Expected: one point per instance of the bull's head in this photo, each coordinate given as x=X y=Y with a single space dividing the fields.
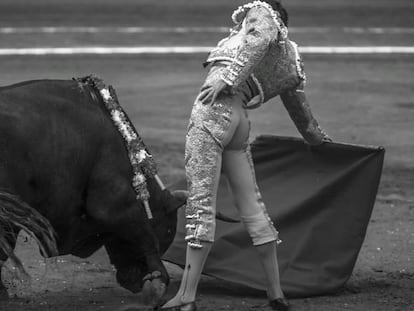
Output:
x=131 y=268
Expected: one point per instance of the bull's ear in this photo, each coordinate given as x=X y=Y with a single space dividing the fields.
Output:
x=174 y=200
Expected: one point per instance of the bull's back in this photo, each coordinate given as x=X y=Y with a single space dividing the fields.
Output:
x=49 y=136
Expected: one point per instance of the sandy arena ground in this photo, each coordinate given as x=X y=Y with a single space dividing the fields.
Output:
x=360 y=99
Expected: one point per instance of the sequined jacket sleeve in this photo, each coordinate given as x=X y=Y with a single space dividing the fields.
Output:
x=259 y=31
x=301 y=114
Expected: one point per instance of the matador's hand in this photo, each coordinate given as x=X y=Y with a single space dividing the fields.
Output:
x=210 y=91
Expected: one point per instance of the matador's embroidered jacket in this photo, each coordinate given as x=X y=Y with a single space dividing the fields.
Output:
x=258 y=50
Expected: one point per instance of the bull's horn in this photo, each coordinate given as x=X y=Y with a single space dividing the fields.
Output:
x=226 y=218
x=180 y=194
x=174 y=200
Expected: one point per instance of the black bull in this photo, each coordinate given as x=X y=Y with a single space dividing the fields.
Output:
x=63 y=162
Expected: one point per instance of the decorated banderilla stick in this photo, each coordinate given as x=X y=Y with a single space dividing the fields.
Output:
x=143 y=164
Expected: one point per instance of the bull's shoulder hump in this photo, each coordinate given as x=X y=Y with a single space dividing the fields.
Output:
x=34 y=83
x=46 y=90
x=54 y=99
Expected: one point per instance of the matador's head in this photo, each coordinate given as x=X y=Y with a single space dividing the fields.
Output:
x=276 y=6
x=277 y=11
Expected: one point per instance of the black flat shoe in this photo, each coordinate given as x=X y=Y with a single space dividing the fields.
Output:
x=191 y=306
x=279 y=304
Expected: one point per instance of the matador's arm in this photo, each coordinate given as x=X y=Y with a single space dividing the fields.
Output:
x=259 y=30
x=301 y=114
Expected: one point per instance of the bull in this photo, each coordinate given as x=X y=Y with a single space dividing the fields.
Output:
x=65 y=176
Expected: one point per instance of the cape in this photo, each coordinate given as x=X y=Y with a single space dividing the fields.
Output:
x=320 y=200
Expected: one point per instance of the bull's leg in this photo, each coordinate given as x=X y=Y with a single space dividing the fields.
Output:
x=112 y=204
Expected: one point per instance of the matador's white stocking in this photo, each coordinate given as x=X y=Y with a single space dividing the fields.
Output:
x=195 y=260
x=268 y=257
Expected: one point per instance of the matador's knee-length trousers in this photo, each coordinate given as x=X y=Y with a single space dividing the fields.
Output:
x=217 y=139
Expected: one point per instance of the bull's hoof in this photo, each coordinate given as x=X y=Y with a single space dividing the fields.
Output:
x=3 y=294
x=153 y=289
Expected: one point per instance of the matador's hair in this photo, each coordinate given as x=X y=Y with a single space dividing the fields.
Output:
x=277 y=6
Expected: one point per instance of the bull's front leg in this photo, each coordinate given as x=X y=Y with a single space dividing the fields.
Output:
x=115 y=208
